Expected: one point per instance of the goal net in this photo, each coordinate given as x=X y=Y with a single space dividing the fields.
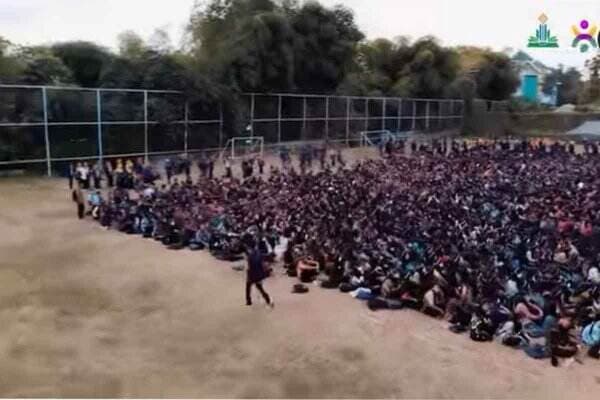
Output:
x=375 y=138
x=380 y=138
x=241 y=147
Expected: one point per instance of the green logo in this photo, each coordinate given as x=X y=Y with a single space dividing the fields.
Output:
x=543 y=37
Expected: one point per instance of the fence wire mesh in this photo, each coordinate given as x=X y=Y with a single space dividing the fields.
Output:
x=47 y=126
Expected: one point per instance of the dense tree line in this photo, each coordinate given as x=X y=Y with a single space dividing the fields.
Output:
x=567 y=83
x=234 y=46
x=592 y=92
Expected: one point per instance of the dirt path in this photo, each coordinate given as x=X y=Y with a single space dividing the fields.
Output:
x=93 y=313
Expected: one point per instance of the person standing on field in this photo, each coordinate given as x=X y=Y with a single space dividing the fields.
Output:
x=108 y=171
x=211 y=167
x=72 y=174
x=79 y=199
x=256 y=274
x=228 y=172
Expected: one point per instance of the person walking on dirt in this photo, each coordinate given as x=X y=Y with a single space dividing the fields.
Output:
x=108 y=171
x=256 y=274
x=261 y=165
x=203 y=165
x=228 y=172
x=72 y=174
x=211 y=167
x=79 y=199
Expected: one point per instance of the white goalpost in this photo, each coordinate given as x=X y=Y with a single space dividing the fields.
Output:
x=244 y=146
x=376 y=138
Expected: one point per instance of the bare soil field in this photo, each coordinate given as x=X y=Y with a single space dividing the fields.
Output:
x=87 y=312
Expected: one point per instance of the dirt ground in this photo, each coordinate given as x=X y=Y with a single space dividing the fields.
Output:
x=87 y=312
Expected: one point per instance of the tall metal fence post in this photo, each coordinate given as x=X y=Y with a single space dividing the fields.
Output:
x=99 y=124
x=366 y=115
x=463 y=112
x=399 y=126
x=327 y=117
x=252 y=115
x=440 y=124
x=220 y=125
x=185 y=128
x=427 y=115
x=46 y=134
x=457 y=123
x=384 y=114
x=348 y=100
x=450 y=114
x=304 y=106
x=414 y=119
x=146 y=125
x=279 y=101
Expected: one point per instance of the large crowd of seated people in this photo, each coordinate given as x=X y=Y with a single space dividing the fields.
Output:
x=501 y=239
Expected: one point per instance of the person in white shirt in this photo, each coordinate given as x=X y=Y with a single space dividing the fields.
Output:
x=83 y=174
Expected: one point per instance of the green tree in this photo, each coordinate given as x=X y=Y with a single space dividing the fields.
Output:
x=213 y=21
x=261 y=55
x=85 y=60
x=121 y=73
x=568 y=84
x=425 y=68
x=470 y=58
x=401 y=68
x=163 y=72
x=463 y=87
x=268 y=46
x=4 y=45
x=373 y=70
x=496 y=77
x=11 y=67
x=325 y=43
x=42 y=67
x=131 y=45
x=593 y=66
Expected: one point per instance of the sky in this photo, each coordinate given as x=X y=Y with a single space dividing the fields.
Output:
x=490 y=23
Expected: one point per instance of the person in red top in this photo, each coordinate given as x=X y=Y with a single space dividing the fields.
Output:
x=585 y=228
x=565 y=226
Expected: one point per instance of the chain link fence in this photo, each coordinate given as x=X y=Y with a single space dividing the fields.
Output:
x=44 y=127
x=289 y=118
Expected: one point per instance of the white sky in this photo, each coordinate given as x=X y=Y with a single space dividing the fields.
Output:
x=491 y=23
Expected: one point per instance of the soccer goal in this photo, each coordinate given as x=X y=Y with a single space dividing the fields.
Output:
x=241 y=147
x=375 y=138
x=379 y=138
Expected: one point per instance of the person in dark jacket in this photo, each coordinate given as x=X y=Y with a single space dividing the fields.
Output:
x=261 y=165
x=228 y=171
x=256 y=274
x=203 y=165
x=211 y=167
x=71 y=174
x=109 y=171
x=79 y=199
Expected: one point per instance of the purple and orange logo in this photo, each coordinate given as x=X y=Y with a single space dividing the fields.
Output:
x=585 y=36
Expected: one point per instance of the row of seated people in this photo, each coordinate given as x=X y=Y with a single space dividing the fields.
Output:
x=142 y=219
